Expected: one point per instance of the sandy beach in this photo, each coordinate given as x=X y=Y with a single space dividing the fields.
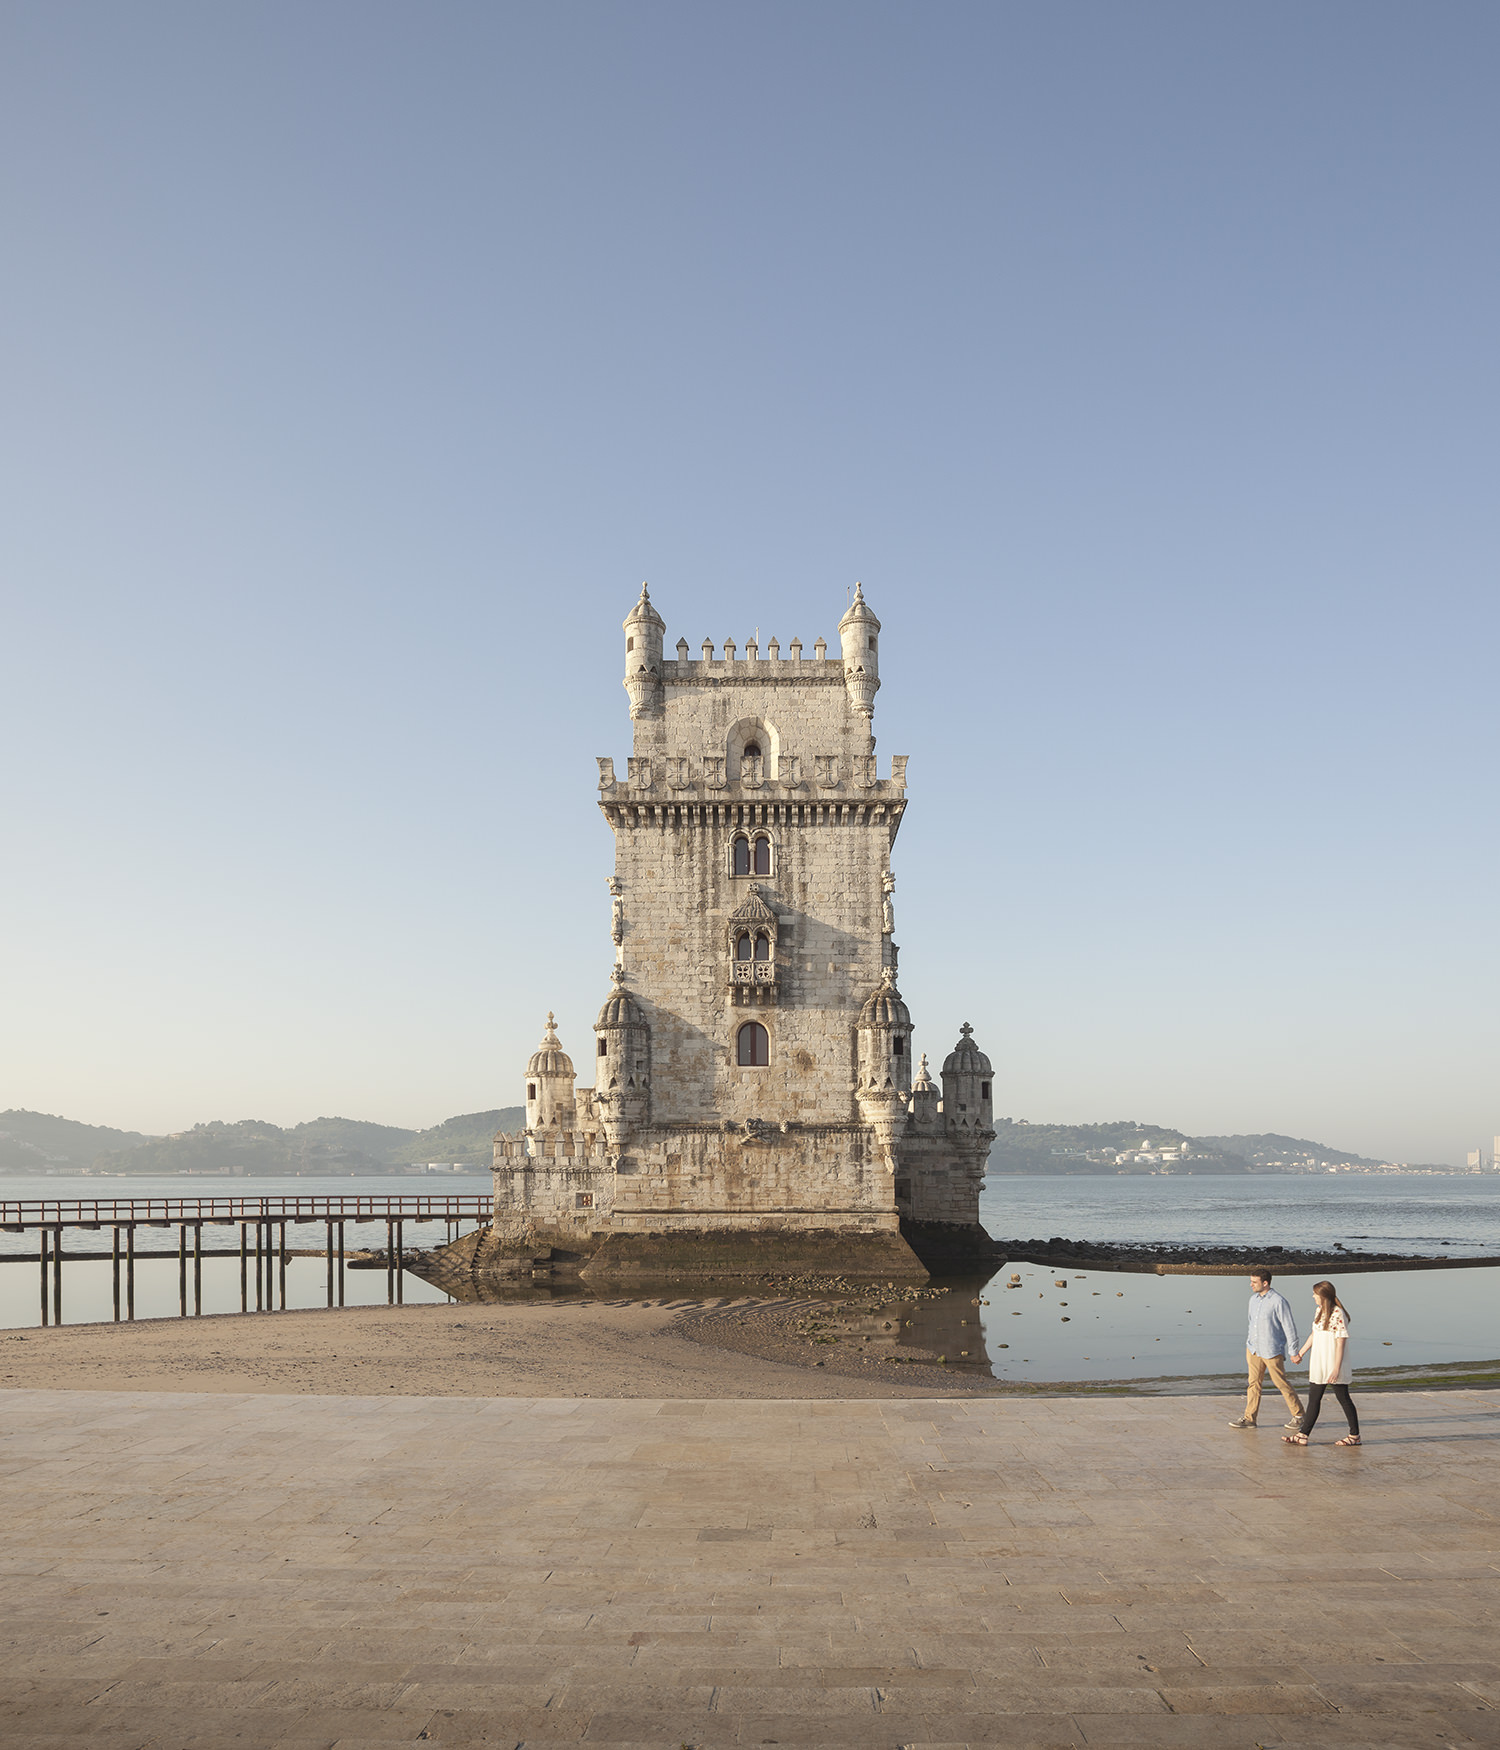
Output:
x=697 y=1348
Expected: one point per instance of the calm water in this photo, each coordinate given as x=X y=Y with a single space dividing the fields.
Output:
x=1399 y=1212
x=1055 y=1325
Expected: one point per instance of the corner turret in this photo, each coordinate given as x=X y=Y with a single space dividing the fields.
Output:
x=967 y=1086
x=550 y=1101
x=859 y=634
x=644 y=629
x=622 y=1080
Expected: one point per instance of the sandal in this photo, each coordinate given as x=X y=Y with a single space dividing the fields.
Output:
x=1349 y=1440
x=1294 y=1440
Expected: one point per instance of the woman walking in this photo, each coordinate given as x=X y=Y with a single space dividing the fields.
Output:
x=1329 y=1343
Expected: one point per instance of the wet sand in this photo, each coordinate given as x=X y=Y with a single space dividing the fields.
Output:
x=713 y=1347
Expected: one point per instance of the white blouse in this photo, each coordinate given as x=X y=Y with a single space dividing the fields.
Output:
x=1324 y=1342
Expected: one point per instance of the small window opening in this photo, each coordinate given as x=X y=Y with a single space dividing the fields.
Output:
x=742 y=948
x=984 y=1090
x=604 y=1048
x=630 y=643
x=872 y=641
x=531 y=1090
x=742 y=856
x=762 y=856
x=898 y=1046
x=752 y=750
x=583 y=1199
x=754 y=1046
x=762 y=948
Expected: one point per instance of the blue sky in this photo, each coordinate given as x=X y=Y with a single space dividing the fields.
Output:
x=360 y=360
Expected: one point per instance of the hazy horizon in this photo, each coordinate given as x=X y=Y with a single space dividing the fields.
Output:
x=361 y=361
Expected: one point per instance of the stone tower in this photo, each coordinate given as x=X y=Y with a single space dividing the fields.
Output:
x=754 y=1097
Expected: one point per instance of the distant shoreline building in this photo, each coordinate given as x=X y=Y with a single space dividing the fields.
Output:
x=755 y=1098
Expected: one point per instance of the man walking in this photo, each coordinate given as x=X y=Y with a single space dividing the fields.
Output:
x=1272 y=1335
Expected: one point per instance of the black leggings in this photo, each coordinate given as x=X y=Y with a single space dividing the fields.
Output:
x=1315 y=1403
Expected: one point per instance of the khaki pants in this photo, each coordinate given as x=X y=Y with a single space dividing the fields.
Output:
x=1259 y=1366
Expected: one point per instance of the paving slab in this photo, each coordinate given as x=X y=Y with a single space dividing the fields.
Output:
x=186 y=1569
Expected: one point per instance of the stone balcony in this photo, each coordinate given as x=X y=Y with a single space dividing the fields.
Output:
x=752 y=981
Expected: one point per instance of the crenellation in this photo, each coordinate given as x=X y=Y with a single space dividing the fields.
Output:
x=753 y=1067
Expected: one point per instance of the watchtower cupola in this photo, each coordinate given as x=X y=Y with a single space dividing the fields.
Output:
x=550 y=1101
x=968 y=1084
x=622 y=1078
x=885 y=1040
x=859 y=633
x=644 y=629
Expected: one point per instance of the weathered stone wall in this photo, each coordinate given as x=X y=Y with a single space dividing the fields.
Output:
x=563 y=1190
x=812 y=1175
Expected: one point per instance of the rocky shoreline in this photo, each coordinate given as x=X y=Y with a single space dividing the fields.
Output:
x=1165 y=1259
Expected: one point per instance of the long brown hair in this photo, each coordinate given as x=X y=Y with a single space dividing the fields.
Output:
x=1328 y=1299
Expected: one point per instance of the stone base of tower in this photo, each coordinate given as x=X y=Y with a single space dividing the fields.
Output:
x=952 y=1248
x=881 y=1255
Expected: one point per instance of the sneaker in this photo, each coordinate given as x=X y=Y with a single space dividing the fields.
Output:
x=1297 y=1425
x=1244 y=1422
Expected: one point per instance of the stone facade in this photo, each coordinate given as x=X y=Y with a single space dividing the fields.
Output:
x=753 y=1059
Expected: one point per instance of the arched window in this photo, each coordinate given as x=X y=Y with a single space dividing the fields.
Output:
x=752 y=750
x=742 y=855
x=742 y=949
x=762 y=948
x=755 y=1046
x=898 y=1046
x=604 y=1046
x=762 y=856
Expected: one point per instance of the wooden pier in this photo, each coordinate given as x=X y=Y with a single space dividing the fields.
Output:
x=262 y=1222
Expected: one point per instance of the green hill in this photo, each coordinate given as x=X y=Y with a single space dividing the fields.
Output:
x=470 y=1138
x=320 y=1146
x=1021 y=1147
x=1268 y=1152
x=32 y=1141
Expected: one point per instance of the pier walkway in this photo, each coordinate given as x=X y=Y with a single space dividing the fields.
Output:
x=263 y=1257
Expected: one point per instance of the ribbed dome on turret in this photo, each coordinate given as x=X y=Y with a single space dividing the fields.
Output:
x=549 y=1058
x=620 y=1010
x=966 y=1059
x=884 y=1007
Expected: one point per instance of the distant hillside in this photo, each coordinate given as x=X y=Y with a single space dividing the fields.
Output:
x=1269 y=1153
x=320 y=1146
x=465 y=1139
x=31 y=1141
x=1021 y=1147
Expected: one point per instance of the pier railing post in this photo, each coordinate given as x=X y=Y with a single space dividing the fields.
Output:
x=281 y=1264
x=244 y=1266
x=197 y=1269
x=390 y=1254
x=400 y=1264
x=116 y=1267
x=341 y=1263
x=57 y=1256
x=330 y=1260
x=182 y=1269
x=130 y=1271
x=259 y=1273
x=42 y=1254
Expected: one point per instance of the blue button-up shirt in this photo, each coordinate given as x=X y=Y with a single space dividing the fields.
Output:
x=1273 y=1330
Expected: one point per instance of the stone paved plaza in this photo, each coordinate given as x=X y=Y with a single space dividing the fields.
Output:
x=257 y=1570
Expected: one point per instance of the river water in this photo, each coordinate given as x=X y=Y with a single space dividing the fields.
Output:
x=1052 y=1326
